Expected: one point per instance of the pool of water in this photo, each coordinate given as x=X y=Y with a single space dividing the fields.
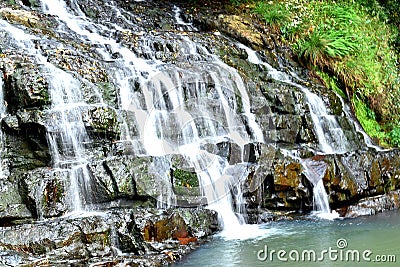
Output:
x=366 y=241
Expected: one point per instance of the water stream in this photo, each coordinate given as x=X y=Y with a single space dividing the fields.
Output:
x=193 y=109
x=66 y=133
x=171 y=122
x=168 y=121
x=330 y=136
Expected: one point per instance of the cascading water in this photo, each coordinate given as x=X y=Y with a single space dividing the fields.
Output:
x=128 y=100
x=357 y=126
x=123 y=71
x=315 y=171
x=66 y=133
x=330 y=135
x=177 y=110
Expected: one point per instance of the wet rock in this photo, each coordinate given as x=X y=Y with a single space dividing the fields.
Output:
x=46 y=192
x=27 y=18
x=347 y=178
x=178 y=223
x=363 y=173
x=373 y=205
x=279 y=183
x=33 y=125
x=132 y=177
x=173 y=227
x=236 y=27
x=102 y=121
x=26 y=87
x=22 y=154
x=76 y=238
x=119 y=175
x=12 y=206
x=101 y=237
x=84 y=61
x=10 y=124
x=202 y=222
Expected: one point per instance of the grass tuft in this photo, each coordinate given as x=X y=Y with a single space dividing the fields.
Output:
x=274 y=13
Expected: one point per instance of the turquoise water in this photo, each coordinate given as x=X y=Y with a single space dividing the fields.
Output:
x=336 y=243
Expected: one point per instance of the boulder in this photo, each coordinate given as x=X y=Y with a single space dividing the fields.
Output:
x=373 y=205
x=75 y=239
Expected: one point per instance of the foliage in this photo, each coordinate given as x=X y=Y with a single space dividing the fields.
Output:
x=332 y=83
x=185 y=178
x=275 y=14
x=367 y=119
x=353 y=42
x=330 y=37
x=394 y=136
x=240 y=2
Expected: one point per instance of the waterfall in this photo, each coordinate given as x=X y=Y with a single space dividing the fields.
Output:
x=320 y=199
x=188 y=107
x=315 y=171
x=330 y=135
x=357 y=126
x=66 y=133
x=176 y=108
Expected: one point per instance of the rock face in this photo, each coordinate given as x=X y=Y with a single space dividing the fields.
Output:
x=102 y=237
x=117 y=174
x=373 y=205
x=348 y=178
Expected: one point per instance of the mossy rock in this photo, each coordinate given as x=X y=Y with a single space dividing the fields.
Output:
x=26 y=87
x=185 y=178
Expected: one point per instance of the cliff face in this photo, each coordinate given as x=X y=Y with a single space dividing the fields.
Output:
x=89 y=134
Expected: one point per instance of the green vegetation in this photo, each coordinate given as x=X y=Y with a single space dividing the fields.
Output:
x=240 y=2
x=185 y=178
x=354 y=43
x=332 y=83
x=276 y=15
x=367 y=118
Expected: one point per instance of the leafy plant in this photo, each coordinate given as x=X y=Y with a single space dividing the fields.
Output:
x=394 y=136
x=275 y=14
x=331 y=83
